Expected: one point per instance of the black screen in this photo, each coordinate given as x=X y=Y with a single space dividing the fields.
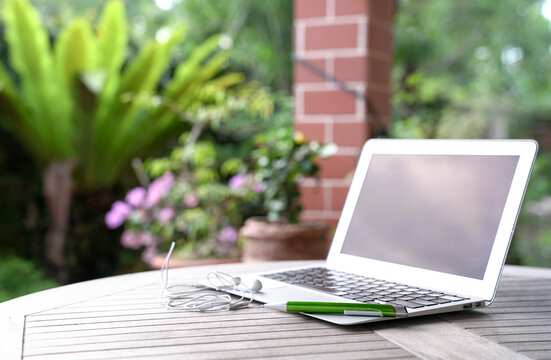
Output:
x=436 y=212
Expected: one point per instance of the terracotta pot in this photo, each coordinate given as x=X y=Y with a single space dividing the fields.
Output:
x=175 y=262
x=265 y=241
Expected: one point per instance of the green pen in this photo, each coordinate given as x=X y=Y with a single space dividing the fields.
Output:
x=356 y=309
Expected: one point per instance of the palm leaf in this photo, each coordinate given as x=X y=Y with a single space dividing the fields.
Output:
x=74 y=53
x=189 y=75
x=30 y=55
x=112 y=39
x=122 y=119
x=6 y=83
x=186 y=70
x=15 y=120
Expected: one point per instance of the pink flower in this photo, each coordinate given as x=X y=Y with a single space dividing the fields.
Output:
x=238 y=181
x=258 y=187
x=148 y=254
x=147 y=238
x=228 y=235
x=136 y=196
x=131 y=239
x=241 y=180
x=134 y=240
x=158 y=189
x=165 y=215
x=191 y=200
x=117 y=215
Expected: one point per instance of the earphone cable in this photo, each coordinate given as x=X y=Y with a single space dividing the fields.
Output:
x=202 y=298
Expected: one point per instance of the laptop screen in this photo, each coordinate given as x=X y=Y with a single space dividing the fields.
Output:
x=435 y=212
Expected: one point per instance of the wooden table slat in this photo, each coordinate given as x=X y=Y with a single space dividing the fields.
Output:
x=238 y=325
x=513 y=330
x=292 y=337
x=362 y=354
x=257 y=347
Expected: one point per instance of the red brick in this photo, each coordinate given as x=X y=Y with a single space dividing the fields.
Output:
x=331 y=37
x=351 y=68
x=309 y=8
x=381 y=10
x=379 y=38
x=304 y=75
x=312 y=197
x=352 y=7
x=349 y=134
x=379 y=71
x=381 y=103
x=337 y=166
x=329 y=102
x=338 y=197
x=311 y=131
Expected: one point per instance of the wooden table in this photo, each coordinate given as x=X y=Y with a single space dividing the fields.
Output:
x=121 y=317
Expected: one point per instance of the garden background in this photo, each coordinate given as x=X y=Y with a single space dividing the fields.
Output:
x=461 y=70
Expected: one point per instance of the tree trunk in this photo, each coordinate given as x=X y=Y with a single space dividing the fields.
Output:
x=57 y=186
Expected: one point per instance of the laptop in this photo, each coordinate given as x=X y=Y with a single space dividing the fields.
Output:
x=426 y=226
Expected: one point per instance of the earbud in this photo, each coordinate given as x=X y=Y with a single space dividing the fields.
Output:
x=256 y=286
x=176 y=297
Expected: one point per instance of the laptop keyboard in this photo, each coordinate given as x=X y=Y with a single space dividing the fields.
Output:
x=363 y=289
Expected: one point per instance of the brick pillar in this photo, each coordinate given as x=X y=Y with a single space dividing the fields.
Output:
x=351 y=41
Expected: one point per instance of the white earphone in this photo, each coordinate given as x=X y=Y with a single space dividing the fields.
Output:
x=201 y=298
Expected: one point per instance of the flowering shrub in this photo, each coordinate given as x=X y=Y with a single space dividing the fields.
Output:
x=196 y=208
x=280 y=160
x=221 y=173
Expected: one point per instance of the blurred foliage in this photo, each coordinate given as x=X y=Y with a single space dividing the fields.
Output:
x=476 y=70
x=19 y=198
x=219 y=174
x=259 y=32
x=192 y=201
x=91 y=98
x=470 y=69
x=280 y=160
x=102 y=116
x=198 y=199
x=20 y=277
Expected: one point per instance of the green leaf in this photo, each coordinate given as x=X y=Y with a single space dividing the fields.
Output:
x=11 y=116
x=328 y=150
x=231 y=166
x=186 y=78
x=14 y=119
x=74 y=52
x=112 y=39
x=185 y=71
x=30 y=55
x=74 y=55
x=6 y=83
x=124 y=130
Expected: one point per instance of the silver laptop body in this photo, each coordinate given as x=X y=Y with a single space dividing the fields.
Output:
x=435 y=215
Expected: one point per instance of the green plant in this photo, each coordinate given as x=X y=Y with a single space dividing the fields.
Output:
x=193 y=200
x=20 y=277
x=190 y=202
x=82 y=115
x=280 y=160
